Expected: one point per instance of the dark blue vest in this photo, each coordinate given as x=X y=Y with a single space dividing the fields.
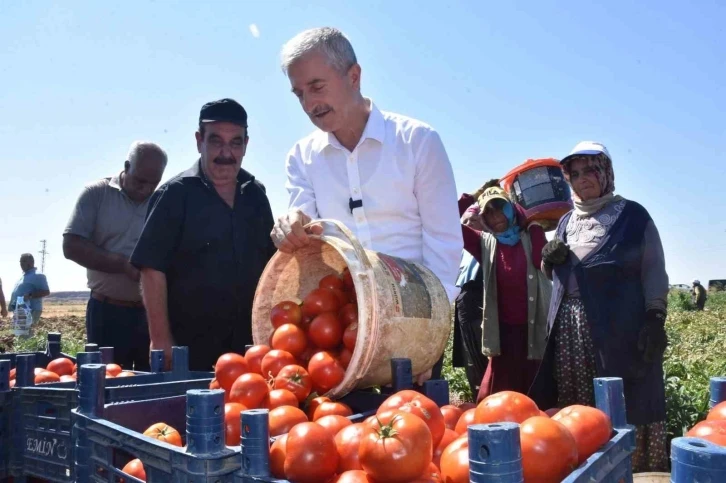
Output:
x=609 y=280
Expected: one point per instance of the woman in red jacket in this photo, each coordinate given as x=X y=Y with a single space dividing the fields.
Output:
x=516 y=293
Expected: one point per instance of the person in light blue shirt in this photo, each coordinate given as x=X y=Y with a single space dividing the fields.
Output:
x=32 y=286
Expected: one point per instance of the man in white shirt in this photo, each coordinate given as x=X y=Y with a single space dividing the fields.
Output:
x=385 y=176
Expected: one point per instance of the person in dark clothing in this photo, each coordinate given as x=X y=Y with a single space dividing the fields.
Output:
x=205 y=244
x=608 y=307
x=699 y=295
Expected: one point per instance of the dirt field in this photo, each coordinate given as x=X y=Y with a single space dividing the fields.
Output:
x=65 y=316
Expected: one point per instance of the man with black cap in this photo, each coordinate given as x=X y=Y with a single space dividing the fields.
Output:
x=205 y=244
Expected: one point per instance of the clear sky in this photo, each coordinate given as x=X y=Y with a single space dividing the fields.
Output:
x=501 y=82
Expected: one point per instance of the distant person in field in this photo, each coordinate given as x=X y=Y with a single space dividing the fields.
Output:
x=32 y=286
x=205 y=244
x=608 y=311
x=699 y=295
x=3 y=307
x=387 y=177
x=103 y=229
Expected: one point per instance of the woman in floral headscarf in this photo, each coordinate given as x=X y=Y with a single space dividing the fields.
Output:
x=608 y=305
x=515 y=295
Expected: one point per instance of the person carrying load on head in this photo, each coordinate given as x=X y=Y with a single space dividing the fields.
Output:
x=385 y=176
x=608 y=310
x=515 y=295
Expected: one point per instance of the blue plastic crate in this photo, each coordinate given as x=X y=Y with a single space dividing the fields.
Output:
x=42 y=433
x=106 y=436
x=612 y=464
x=42 y=358
x=694 y=459
x=6 y=400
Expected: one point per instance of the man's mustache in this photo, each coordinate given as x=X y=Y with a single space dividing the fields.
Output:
x=224 y=161
x=319 y=110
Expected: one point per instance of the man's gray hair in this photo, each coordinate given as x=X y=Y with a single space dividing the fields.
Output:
x=328 y=40
x=139 y=148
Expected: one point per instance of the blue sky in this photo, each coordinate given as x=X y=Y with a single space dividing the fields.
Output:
x=501 y=82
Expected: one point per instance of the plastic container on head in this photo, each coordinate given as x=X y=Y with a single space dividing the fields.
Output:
x=538 y=186
x=403 y=309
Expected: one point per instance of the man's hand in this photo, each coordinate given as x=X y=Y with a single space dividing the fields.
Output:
x=288 y=233
x=165 y=344
x=421 y=378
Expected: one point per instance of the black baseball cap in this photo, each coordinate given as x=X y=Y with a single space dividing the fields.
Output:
x=223 y=110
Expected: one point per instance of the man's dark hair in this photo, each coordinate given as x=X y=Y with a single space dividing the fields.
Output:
x=28 y=256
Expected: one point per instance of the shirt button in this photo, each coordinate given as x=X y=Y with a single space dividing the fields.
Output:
x=359 y=219
x=531 y=299
x=356 y=191
x=531 y=321
x=531 y=277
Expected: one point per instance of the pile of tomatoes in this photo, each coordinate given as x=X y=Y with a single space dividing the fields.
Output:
x=65 y=370
x=713 y=428
x=410 y=439
x=325 y=322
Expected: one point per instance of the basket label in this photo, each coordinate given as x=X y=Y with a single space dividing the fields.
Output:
x=411 y=298
x=47 y=448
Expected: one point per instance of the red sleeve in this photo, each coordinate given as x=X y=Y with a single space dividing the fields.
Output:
x=538 y=242
x=472 y=241
x=465 y=202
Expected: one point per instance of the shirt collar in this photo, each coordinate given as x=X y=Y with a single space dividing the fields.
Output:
x=375 y=129
x=115 y=182
x=196 y=171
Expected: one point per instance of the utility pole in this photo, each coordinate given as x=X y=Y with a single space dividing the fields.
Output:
x=43 y=252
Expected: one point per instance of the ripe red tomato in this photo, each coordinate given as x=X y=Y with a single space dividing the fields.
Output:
x=283 y=419
x=348 y=315
x=347 y=441
x=251 y=390
x=353 y=476
x=344 y=356
x=415 y=403
x=285 y=312
x=449 y=437
x=290 y=338
x=228 y=368
x=46 y=376
x=348 y=279
x=214 y=384
x=350 y=336
x=451 y=415
x=61 y=366
x=295 y=379
x=280 y=397
x=396 y=448
x=313 y=404
x=333 y=423
x=254 y=356
x=549 y=452
x=332 y=282
x=164 y=432
x=343 y=297
x=320 y=300
x=328 y=408
x=505 y=406
x=73 y=378
x=325 y=371
x=431 y=475
x=590 y=427
x=713 y=430
x=136 y=469
x=325 y=331
x=278 y=451
x=113 y=369
x=311 y=454
x=466 y=420
x=455 y=461
x=274 y=361
x=13 y=371
x=718 y=412
x=232 y=423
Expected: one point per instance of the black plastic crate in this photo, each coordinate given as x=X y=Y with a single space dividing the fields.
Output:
x=6 y=401
x=42 y=414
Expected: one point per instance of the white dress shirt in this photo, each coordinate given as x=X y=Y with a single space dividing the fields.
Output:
x=401 y=172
